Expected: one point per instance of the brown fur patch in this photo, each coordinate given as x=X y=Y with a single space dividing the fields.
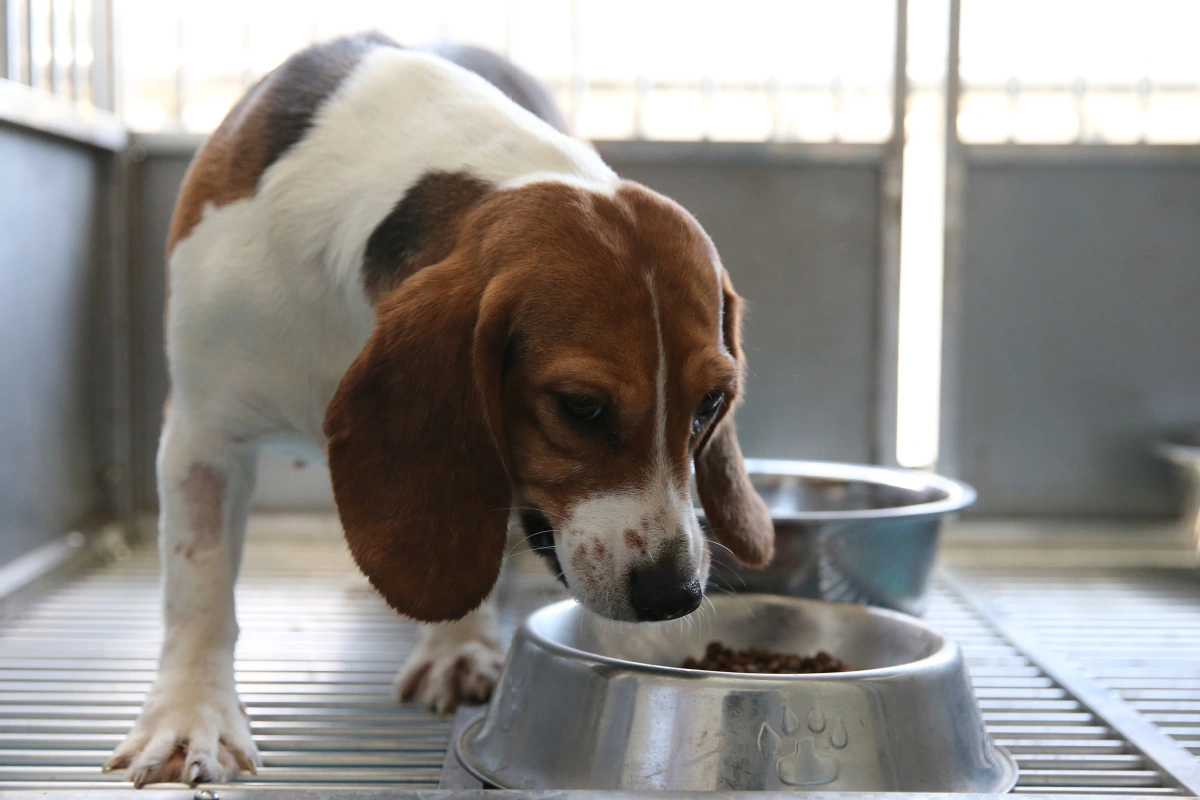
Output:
x=737 y=515
x=204 y=494
x=270 y=118
x=634 y=541
x=418 y=474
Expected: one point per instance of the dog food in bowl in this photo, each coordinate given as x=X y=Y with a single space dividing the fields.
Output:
x=719 y=658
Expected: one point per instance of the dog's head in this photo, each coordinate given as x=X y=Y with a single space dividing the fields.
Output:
x=563 y=367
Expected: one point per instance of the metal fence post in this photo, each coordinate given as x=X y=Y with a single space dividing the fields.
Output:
x=948 y=455
x=887 y=303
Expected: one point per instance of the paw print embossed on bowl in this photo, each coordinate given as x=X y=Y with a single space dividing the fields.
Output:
x=805 y=755
x=586 y=703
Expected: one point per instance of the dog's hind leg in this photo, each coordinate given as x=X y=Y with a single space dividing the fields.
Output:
x=192 y=728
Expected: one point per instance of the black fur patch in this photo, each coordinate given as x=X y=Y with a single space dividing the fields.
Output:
x=298 y=87
x=517 y=84
x=420 y=229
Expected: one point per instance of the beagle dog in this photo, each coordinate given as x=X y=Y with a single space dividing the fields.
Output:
x=382 y=255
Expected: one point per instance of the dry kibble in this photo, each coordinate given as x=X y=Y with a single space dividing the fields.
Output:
x=719 y=658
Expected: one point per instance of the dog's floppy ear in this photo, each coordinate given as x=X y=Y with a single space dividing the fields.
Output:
x=736 y=514
x=419 y=471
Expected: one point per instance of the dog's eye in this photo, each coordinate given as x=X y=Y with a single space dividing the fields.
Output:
x=709 y=407
x=581 y=409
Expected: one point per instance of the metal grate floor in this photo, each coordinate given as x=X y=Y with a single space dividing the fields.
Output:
x=1061 y=746
x=1134 y=631
x=319 y=649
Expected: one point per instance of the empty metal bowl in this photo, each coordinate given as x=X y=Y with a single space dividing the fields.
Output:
x=1182 y=452
x=586 y=703
x=847 y=532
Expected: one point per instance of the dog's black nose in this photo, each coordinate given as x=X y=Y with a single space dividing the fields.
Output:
x=660 y=592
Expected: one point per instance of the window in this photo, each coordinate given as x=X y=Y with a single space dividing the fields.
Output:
x=655 y=69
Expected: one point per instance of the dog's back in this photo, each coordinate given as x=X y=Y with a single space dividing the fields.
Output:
x=347 y=143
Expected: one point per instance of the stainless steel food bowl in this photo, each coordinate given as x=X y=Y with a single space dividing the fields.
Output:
x=1182 y=452
x=586 y=703
x=847 y=532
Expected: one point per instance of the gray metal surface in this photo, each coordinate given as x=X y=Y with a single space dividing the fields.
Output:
x=902 y=719
x=319 y=650
x=1073 y=324
x=54 y=357
x=848 y=532
x=797 y=226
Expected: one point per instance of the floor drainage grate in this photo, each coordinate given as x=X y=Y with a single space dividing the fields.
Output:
x=319 y=650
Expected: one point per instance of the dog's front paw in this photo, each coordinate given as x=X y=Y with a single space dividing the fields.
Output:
x=187 y=734
x=442 y=674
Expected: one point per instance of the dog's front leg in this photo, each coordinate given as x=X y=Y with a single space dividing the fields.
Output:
x=193 y=728
x=453 y=662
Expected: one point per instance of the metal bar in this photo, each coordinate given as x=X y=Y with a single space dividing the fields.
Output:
x=18 y=37
x=54 y=70
x=1177 y=764
x=124 y=214
x=578 y=82
x=6 y=30
x=641 y=89
x=241 y=791
x=1082 y=154
x=887 y=302
x=33 y=30
x=101 y=69
x=79 y=39
x=649 y=152
x=948 y=456
x=27 y=574
x=1091 y=87
x=644 y=152
x=181 y=76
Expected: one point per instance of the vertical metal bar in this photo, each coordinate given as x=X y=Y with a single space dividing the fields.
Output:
x=102 y=70
x=508 y=30
x=55 y=77
x=578 y=86
x=773 y=92
x=837 y=93
x=887 y=300
x=1079 y=100
x=1143 y=91
x=70 y=78
x=37 y=73
x=122 y=218
x=79 y=40
x=641 y=88
x=708 y=92
x=180 y=72
x=248 y=75
x=949 y=457
x=6 y=28
x=25 y=49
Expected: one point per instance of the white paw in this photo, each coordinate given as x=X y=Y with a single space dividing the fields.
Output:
x=442 y=674
x=187 y=734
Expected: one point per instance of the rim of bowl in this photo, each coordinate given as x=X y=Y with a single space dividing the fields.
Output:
x=958 y=495
x=1182 y=449
x=946 y=652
